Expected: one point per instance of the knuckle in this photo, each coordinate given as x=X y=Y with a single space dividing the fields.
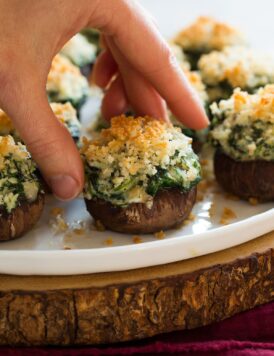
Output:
x=43 y=149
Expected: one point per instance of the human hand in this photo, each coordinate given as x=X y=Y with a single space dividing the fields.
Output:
x=33 y=32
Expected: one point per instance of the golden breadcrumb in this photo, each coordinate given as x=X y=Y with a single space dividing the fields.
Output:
x=79 y=231
x=8 y=146
x=108 y=242
x=208 y=34
x=238 y=66
x=160 y=235
x=137 y=239
x=57 y=211
x=64 y=112
x=59 y=224
x=60 y=65
x=253 y=201
x=256 y=106
x=198 y=85
x=6 y=125
x=99 y=226
x=227 y=215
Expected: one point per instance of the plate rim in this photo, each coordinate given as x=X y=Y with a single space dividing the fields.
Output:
x=141 y=256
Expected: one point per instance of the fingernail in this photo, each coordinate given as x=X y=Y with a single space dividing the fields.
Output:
x=64 y=187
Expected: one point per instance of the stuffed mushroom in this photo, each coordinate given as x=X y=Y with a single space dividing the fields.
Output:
x=141 y=175
x=21 y=195
x=235 y=67
x=206 y=35
x=243 y=133
x=66 y=83
x=81 y=53
x=65 y=113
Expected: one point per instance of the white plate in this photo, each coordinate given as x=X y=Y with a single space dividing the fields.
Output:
x=42 y=252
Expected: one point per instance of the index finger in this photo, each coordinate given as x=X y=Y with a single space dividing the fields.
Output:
x=137 y=37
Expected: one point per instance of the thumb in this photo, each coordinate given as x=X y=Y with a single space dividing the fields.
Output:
x=48 y=141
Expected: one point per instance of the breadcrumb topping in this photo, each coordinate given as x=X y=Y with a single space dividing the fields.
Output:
x=9 y=147
x=79 y=50
x=127 y=154
x=238 y=66
x=65 y=81
x=198 y=85
x=61 y=65
x=227 y=215
x=180 y=56
x=65 y=113
x=207 y=34
x=243 y=126
x=6 y=125
x=249 y=107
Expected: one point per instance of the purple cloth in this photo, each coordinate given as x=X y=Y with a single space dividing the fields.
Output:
x=247 y=334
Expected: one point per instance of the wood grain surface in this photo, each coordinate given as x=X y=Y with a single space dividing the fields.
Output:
x=120 y=306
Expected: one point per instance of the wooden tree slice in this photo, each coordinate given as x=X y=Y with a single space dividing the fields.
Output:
x=119 y=306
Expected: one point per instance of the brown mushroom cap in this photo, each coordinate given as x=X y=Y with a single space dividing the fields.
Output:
x=170 y=208
x=197 y=145
x=248 y=179
x=21 y=219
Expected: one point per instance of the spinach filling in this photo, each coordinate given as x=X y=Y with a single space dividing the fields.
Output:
x=54 y=97
x=14 y=176
x=93 y=36
x=174 y=177
x=249 y=142
x=219 y=92
x=166 y=179
x=242 y=136
x=193 y=57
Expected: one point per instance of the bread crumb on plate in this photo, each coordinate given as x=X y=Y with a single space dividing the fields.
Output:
x=253 y=201
x=108 y=242
x=160 y=235
x=227 y=215
x=137 y=239
x=99 y=226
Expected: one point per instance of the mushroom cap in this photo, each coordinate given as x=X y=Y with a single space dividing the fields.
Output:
x=170 y=208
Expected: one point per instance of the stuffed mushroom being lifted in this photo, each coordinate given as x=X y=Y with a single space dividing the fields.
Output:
x=243 y=132
x=141 y=175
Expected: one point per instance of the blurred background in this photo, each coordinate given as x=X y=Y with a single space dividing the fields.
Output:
x=253 y=17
